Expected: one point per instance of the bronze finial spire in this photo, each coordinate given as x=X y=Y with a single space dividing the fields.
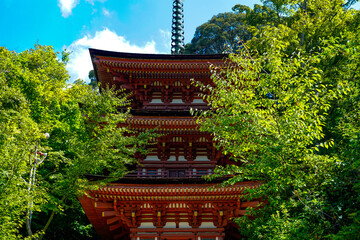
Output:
x=177 y=38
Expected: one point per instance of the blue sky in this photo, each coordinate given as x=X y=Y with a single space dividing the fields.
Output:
x=117 y=25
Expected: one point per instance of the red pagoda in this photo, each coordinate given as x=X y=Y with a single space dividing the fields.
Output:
x=165 y=196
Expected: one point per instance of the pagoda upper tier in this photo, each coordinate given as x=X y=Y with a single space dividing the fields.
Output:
x=156 y=82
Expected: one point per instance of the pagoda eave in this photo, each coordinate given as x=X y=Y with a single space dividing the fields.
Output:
x=162 y=209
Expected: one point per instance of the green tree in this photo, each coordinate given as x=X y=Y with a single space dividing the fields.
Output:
x=222 y=33
x=17 y=137
x=286 y=108
x=226 y=32
x=92 y=77
x=35 y=99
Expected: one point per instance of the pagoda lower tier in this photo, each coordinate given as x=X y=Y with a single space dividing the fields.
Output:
x=161 y=211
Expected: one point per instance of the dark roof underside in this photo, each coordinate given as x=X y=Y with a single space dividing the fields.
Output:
x=157 y=180
x=97 y=52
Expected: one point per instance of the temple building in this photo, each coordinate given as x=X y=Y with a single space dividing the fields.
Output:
x=165 y=196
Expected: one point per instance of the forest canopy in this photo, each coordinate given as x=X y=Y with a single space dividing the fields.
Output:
x=51 y=135
x=286 y=108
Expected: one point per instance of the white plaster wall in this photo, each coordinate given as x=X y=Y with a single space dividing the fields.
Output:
x=207 y=225
x=198 y=101
x=170 y=225
x=151 y=158
x=202 y=158
x=177 y=101
x=147 y=225
x=172 y=158
x=156 y=101
x=184 y=225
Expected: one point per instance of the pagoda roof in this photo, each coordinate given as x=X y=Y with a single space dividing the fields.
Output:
x=153 y=181
x=173 y=191
x=103 y=53
x=155 y=80
x=152 y=66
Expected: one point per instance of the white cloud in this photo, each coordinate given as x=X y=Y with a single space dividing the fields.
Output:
x=93 y=1
x=106 y=12
x=80 y=62
x=165 y=39
x=66 y=6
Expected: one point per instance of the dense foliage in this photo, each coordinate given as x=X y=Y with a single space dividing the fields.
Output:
x=226 y=32
x=35 y=99
x=221 y=33
x=287 y=108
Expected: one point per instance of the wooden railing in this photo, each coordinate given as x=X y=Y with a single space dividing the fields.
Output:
x=168 y=174
x=177 y=233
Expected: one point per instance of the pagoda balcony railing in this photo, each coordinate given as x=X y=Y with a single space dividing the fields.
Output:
x=171 y=233
x=169 y=173
x=175 y=106
x=184 y=164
